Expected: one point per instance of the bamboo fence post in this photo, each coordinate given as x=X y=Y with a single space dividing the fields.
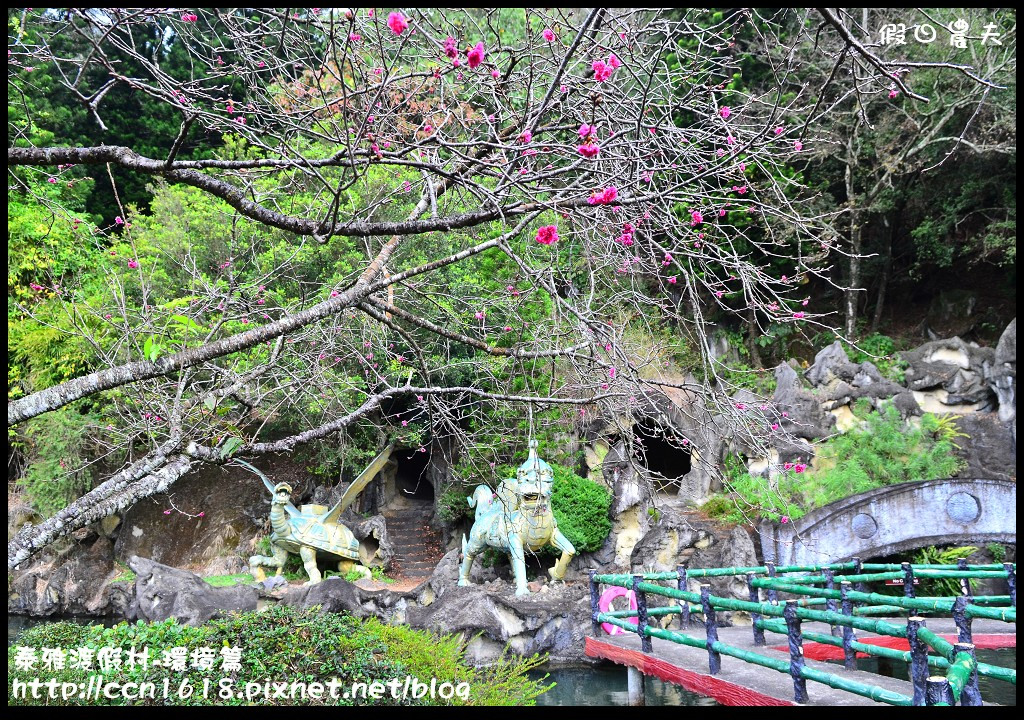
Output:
x=796 y=651
x=830 y=604
x=849 y=656
x=918 y=659
x=963 y=622
x=939 y=692
x=908 y=580
x=858 y=569
x=754 y=616
x=971 y=694
x=641 y=614
x=595 y=626
x=711 y=629
x=965 y=583
x=684 y=615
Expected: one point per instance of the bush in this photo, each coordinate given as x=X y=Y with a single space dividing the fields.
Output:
x=452 y=506
x=581 y=509
x=283 y=644
x=886 y=452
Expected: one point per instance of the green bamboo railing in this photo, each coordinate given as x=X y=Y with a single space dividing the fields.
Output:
x=959 y=684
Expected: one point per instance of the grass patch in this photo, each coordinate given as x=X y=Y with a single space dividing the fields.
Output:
x=229 y=580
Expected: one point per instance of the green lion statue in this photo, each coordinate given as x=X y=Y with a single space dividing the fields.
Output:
x=518 y=516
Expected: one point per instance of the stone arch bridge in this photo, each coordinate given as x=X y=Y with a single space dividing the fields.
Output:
x=896 y=518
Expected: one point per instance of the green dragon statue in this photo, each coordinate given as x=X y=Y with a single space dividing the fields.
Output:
x=518 y=516
x=311 y=529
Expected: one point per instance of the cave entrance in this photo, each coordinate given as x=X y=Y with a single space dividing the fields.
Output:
x=664 y=453
x=412 y=481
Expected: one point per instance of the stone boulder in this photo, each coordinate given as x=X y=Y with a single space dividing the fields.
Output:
x=163 y=592
x=375 y=547
x=804 y=417
x=235 y=506
x=1003 y=378
x=831 y=365
x=554 y=620
x=697 y=542
x=990 y=450
x=951 y=376
x=77 y=582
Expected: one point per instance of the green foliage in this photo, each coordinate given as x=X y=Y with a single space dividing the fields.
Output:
x=286 y=644
x=59 y=452
x=933 y=555
x=881 y=351
x=452 y=506
x=885 y=452
x=997 y=551
x=581 y=509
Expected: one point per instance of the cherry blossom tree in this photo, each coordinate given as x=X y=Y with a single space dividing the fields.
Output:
x=418 y=220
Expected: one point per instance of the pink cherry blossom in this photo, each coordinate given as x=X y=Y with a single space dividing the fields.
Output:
x=893 y=94
x=547 y=234
x=696 y=218
x=118 y=220
x=798 y=146
x=778 y=130
x=526 y=137
x=601 y=70
x=36 y=287
x=167 y=512
x=397 y=23
x=133 y=264
x=449 y=47
x=614 y=62
x=784 y=519
x=787 y=466
x=725 y=112
x=586 y=131
x=495 y=74
x=604 y=197
x=741 y=406
x=548 y=34
x=798 y=315
x=611 y=372
x=672 y=280
x=476 y=55
x=480 y=315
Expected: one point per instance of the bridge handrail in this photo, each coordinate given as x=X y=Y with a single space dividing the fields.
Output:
x=958 y=659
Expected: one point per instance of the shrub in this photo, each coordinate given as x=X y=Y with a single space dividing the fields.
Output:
x=581 y=509
x=283 y=644
x=452 y=506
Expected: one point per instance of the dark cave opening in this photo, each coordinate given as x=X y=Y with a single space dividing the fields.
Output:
x=412 y=480
x=663 y=452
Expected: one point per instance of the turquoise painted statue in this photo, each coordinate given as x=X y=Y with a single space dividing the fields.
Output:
x=515 y=518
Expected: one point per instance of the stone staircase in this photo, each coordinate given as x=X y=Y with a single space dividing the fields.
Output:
x=417 y=545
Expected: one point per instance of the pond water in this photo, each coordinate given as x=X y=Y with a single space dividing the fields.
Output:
x=605 y=684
